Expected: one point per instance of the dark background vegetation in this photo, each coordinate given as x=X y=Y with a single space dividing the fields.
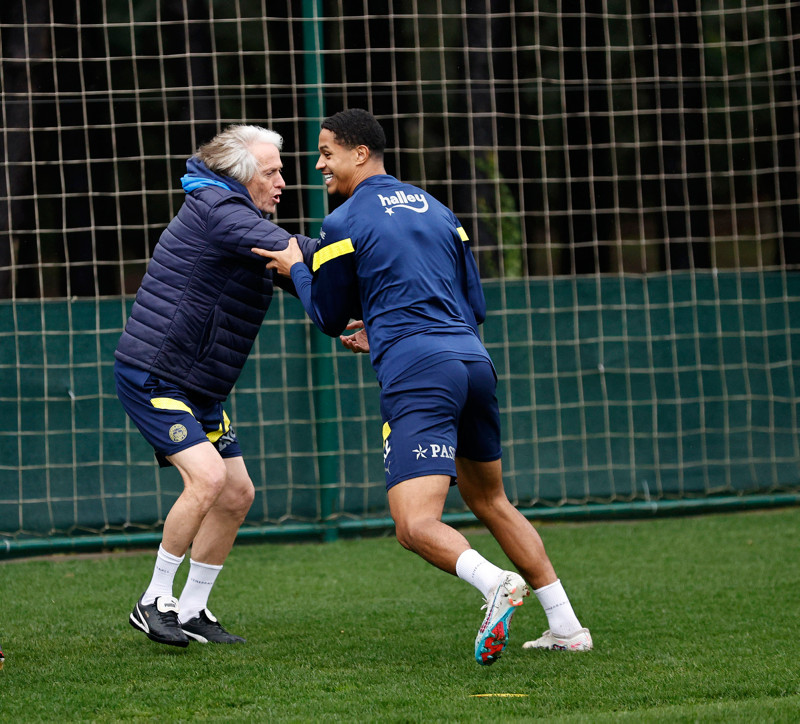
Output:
x=567 y=142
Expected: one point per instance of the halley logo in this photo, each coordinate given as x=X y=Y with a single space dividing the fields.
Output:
x=402 y=200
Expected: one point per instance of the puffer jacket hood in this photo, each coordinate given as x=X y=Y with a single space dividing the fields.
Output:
x=199 y=175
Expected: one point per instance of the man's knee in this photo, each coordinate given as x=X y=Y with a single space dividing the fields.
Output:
x=491 y=508
x=237 y=493
x=403 y=537
x=240 y=498
x=205 y=485
x=409 y=531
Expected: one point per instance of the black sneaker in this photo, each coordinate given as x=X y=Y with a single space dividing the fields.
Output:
x=159 y=621
x=206 y=629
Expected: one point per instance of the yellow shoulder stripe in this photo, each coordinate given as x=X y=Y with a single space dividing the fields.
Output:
x=326 y=253
x=462 y=234
x=386 y=430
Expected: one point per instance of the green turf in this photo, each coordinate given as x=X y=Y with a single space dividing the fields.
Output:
x=694 y=619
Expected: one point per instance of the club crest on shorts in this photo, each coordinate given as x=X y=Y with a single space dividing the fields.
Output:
x=177 y=433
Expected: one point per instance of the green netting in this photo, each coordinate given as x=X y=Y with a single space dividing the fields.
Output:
x=612 y=390
x=628 y=178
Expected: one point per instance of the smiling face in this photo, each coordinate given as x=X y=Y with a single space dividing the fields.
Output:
x=339 y=165
x=266 y=186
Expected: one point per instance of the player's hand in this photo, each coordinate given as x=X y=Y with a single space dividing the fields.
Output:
x=282 y=261
x=356 y=342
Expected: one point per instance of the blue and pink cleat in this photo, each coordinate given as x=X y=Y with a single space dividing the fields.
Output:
x=503 y=602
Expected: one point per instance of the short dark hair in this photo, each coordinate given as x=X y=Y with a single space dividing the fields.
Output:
x=357 y=127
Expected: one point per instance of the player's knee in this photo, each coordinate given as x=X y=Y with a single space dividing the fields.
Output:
x=242 y=499
x=489 y=507
x=207 y=486
x=236 y=498
x=248 y=495
x=403 y=539
x=407 y=534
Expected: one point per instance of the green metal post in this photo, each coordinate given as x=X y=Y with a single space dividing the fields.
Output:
x=323 y=373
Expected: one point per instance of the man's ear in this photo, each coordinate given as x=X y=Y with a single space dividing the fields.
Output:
x=362 y=154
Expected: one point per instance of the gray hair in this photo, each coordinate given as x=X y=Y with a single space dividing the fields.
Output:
x=229 y=154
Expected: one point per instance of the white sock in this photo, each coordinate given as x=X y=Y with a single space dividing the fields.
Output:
x=194 y=597
x=560 y=616
x=163 y=575
x=473 y=568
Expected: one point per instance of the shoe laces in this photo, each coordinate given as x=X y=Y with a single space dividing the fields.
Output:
x=501 y=589
x=168 y=617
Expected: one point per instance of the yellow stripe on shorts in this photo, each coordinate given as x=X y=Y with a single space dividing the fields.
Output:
x=339 y=248
x=167 y=403
x=386 y=430
x=223 y=428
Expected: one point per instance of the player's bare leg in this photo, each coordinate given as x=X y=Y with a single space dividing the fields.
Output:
x=210 y=549
x=481 y=486
x=218 y=529
x=416 y=506
x=204 y=475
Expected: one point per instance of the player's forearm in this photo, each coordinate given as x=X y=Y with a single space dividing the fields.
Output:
x=331 y=321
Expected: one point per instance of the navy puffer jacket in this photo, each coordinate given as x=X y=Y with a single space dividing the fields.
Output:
x=205 y=294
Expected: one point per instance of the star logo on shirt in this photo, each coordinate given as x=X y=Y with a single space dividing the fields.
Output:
x=390 y=211
x=420 y=452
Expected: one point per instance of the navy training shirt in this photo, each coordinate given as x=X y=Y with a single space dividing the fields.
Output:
x=397 y=258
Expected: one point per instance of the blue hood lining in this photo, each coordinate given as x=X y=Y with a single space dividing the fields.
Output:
x=190 y=182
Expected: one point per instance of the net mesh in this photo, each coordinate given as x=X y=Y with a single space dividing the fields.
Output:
x=628 y=176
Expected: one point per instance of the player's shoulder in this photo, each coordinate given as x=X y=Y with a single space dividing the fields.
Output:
x=385 y=196
x=336 y=225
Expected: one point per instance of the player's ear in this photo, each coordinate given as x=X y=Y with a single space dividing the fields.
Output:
x=362 y=154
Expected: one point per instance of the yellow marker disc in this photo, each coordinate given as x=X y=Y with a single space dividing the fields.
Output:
x=503 y=695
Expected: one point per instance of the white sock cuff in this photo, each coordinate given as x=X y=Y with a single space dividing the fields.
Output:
x=467 y=562
x=558 y=609
x=545 y=589
x=473 y=568
x=209 y=566
x=167 y=556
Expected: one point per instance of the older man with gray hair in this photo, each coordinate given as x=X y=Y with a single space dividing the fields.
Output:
x=190 y=331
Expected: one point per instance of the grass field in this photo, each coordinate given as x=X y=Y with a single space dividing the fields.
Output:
x=694 y=619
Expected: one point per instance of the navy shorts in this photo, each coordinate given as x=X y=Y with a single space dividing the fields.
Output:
x=172 y=419
x=439 y=412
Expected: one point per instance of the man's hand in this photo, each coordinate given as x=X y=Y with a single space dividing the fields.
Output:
x=356 y=342
x=282 y=261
